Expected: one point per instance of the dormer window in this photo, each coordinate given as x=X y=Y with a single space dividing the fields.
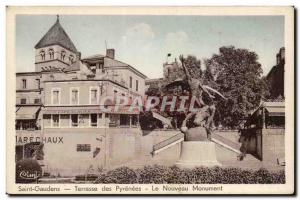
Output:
x=62 y=55
x=51 y=53
x=42 y=54
x=71 y=58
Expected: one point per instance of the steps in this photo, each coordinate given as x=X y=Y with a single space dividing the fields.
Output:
x=226 y=143
x=220 y=140
x=167 y=143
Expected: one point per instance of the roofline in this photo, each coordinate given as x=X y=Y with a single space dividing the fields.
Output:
x=129 y=66
x=154 y=79
x=27 y=73
x=57 y=45
x=124 y=66
x=91 y=57
x=134 y=69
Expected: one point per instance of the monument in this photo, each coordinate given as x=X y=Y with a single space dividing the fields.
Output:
x=197 y=148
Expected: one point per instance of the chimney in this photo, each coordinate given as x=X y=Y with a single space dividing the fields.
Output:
x=282 y=53
x=110 y=53
x=278 y=59
x=78 y=55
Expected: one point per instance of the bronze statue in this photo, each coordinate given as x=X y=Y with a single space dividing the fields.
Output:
x=204 y=116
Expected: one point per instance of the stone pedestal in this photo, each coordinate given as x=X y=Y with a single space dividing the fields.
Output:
x=197 y=154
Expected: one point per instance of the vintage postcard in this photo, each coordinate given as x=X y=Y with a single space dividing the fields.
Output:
x=150 y=100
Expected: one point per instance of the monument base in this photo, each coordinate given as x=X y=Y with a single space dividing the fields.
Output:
x=197 y=154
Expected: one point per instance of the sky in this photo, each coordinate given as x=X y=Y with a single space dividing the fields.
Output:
x=144 y=41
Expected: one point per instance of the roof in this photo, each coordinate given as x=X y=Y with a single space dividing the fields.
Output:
x=56 y=35
x=276 y=111
x=274 y=104
x=73 y=67
x=94 y=57
x=275 y=108
x=111 y=63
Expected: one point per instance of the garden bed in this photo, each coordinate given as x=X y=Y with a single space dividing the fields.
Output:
x=173 y=175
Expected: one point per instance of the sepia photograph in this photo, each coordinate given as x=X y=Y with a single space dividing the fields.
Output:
x=145 y=100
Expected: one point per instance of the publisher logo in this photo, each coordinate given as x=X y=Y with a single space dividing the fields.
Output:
x=29 y=175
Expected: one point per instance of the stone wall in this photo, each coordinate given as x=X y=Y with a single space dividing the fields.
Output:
x=273 y=148
x=118 y=147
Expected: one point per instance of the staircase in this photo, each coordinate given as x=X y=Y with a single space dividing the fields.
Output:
x=216 y=138
x=167 y=143
x=226 y=143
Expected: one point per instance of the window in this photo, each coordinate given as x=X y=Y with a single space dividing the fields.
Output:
x=71 y=58
x=64 y=120
x=38 y=83
x=74 y=96
x=37 y=101
x=74 y=120
x=137 y=85
x=83 y=147
x=23 y=101
x=130 y=82
x=115 y=94
x=55 y=97
x=94 y=120
x=102 y=67
x=94 y=96
x=62 y=55
x=47 y=120
x=24 y=83
x=51 y=53
x=55 y=120
x=42 y=54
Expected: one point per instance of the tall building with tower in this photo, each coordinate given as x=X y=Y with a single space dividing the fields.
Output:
x=59 y=105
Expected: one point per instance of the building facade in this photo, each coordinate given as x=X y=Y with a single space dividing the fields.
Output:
x=59 y=105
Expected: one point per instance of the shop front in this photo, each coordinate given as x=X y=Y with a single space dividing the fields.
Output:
x=27 y=118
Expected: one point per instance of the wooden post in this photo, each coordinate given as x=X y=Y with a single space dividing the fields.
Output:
x=263 y=115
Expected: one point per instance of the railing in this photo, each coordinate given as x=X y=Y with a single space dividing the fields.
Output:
x=167 y=141
x=227 y=142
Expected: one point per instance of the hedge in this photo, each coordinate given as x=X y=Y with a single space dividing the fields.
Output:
x=202 y=175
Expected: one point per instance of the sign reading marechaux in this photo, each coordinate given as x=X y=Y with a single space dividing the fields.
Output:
x=186 y=100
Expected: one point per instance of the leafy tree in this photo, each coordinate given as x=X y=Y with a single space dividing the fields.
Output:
x=236 y=73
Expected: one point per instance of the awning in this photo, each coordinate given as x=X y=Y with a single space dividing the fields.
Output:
x=276 y=111
x=27 y=112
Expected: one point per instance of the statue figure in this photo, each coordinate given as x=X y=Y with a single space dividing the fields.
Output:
x=203 y=118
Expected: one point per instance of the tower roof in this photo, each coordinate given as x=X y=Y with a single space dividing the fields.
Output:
x=56 y=35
